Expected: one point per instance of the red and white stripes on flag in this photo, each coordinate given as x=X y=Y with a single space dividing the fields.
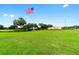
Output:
x=29 y=10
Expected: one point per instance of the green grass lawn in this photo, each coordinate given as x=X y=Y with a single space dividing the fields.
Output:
x=46 y=42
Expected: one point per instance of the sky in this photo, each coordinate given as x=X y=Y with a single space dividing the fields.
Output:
x=55 y=14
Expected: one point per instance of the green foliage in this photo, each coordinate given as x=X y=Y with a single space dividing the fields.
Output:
x=19 y=22
x=71 y=27
x=13 y=27
x=18 y=30
x=1 y=27
x=15 y=22
x=21 y=25
x=43 y=26
x=33 y=26
x=49 y=25
x=30 y=26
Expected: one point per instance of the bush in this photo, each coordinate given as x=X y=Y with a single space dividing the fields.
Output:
x=18 y=30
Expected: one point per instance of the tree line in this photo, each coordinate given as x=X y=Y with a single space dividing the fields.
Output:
x=71 y=27
x=21 y=25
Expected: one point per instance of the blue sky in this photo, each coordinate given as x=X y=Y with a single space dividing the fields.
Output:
x=55 y=14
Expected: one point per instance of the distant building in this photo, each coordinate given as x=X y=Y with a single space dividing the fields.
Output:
x=54 y=27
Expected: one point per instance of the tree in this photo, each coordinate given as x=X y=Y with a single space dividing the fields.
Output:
x=25 y=28
x=15 y=22
x=20 y=22
x=1 y=27
x=71 y=27
x=43 y=26
x=13 y=27
x=30 y=26
x=35 y=26
x=49 y=25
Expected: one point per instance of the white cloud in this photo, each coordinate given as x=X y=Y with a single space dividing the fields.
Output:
x=12 y=15
x=8 y=15
x=5 y=14
x=65 y=5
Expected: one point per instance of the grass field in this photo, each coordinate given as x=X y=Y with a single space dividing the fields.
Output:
x=40 y=42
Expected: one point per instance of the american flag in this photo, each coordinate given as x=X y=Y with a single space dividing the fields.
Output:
x=29 y=10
